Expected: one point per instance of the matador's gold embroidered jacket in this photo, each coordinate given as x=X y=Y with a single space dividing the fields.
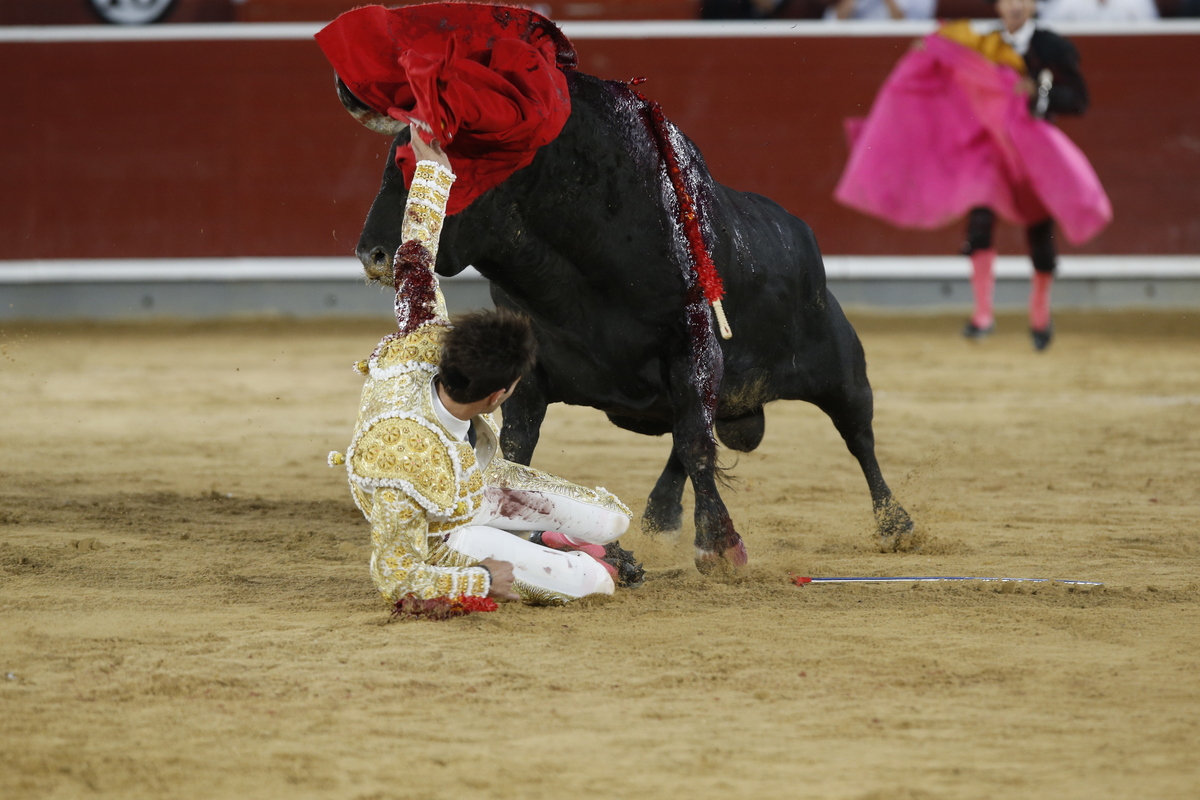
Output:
x=413 y=480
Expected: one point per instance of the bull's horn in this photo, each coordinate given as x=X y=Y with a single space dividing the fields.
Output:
x=366 y=115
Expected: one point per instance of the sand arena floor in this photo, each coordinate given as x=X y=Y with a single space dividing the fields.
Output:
x=185 y=610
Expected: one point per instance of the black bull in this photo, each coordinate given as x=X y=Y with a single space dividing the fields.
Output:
x=580 y=240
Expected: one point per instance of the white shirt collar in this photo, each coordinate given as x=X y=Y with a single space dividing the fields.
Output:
x=1019 y=40
x=459 y=427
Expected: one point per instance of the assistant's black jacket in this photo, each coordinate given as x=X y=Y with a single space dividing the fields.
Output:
x=1048 y=50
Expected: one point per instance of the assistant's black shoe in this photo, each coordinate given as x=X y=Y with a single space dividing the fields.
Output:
x=973 y=331
x=630 y=574
x=1042 y=338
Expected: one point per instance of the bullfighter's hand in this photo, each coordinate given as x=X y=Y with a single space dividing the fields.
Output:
x=502 y=579
x=1025 y=86
x=426 y=151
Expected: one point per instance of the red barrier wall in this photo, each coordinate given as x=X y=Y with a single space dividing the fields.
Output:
x=768 y=115
x=240 y=148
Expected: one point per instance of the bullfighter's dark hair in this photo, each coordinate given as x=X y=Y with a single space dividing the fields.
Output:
x=486 y=351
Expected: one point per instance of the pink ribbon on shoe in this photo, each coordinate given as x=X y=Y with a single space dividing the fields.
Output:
x=560 y=541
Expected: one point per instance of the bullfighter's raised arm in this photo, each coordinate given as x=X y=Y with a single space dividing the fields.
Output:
x=429 y=193
x=421 y=228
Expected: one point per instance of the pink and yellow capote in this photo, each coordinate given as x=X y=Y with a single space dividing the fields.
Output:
x=948 y=132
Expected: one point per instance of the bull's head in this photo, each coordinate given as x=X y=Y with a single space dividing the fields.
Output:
x=381 y=233
x=366 y=115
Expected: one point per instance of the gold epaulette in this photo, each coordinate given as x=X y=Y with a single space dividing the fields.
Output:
x=408 y=455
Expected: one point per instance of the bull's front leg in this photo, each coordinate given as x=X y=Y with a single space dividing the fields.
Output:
x=664 y=508
x=523 y=414
x=718 y=545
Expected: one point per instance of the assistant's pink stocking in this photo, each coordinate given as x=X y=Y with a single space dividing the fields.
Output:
x=983 y=284
x=1039 y=300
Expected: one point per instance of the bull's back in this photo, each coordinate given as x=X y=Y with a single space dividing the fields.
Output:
x=602 y=231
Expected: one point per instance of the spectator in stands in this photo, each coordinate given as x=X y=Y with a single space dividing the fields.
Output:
x=739 y=9
x=1097 y=10
x=881 y=9
x=764 y=9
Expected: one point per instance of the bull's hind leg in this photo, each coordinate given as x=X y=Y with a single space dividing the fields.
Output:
x=846 y=397
x=891 y=519
x=852 y=414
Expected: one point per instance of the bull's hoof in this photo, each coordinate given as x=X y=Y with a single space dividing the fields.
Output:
x=711 y=562
x=662 y=520
x=892 y=519
x=895 y=527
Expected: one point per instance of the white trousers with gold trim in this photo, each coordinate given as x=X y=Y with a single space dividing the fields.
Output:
x=545 y=573
x=539 y=510
x=539 y=573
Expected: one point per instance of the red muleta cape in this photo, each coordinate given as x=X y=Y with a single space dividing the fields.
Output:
x=488 y=79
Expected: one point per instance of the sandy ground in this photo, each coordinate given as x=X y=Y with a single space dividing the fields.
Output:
x=185 y=610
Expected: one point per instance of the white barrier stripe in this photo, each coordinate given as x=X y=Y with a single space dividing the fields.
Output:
x=745 y=29
x=818 y=28
x=180 y=32
x=217 y=270
x=577 y=31
x=956 y=267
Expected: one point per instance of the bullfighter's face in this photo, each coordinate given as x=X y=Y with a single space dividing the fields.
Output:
x=1015 y=13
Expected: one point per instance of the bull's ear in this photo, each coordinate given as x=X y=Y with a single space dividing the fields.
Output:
x=368 y=116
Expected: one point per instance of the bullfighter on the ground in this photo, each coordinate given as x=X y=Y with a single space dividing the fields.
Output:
x=962 y=125
x=451 y=519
